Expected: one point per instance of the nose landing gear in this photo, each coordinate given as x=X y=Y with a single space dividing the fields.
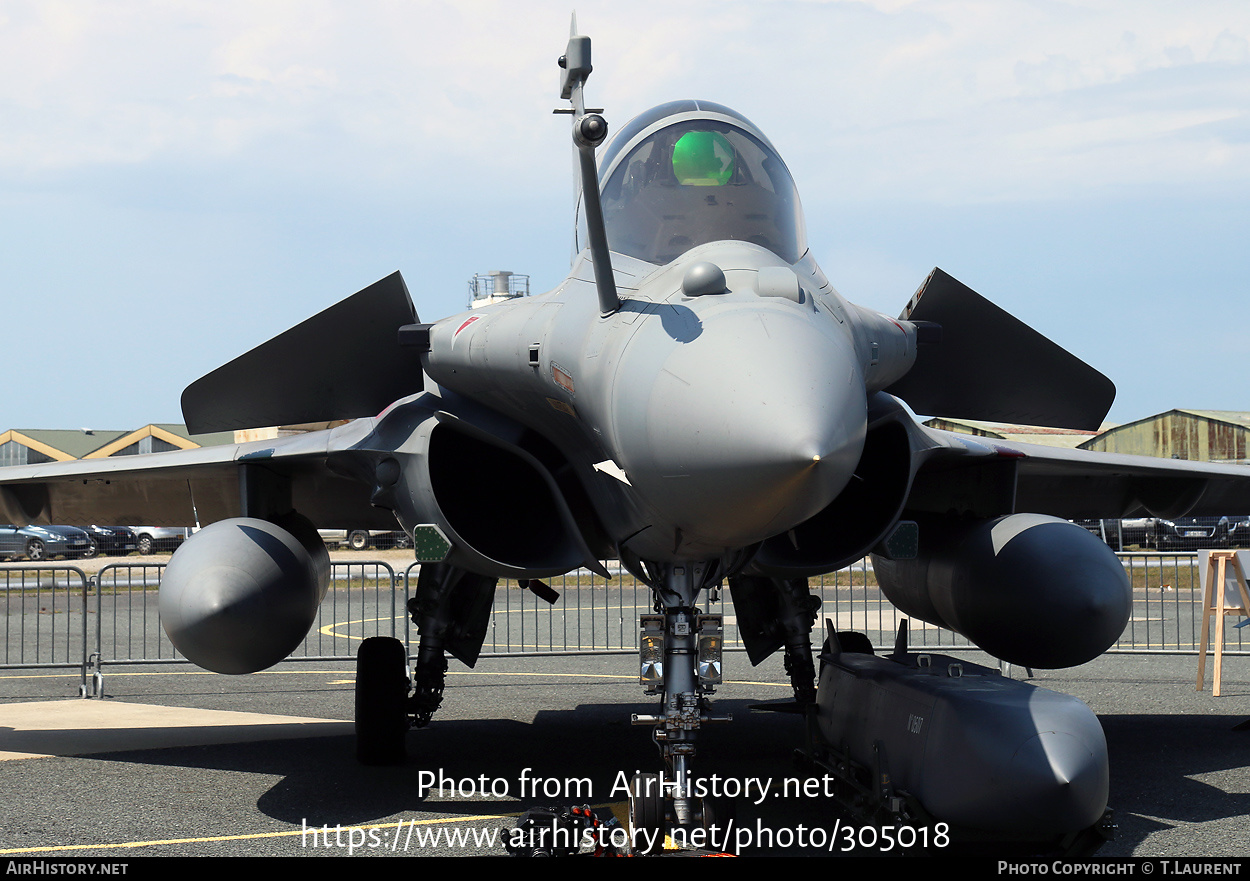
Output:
x=680 y=661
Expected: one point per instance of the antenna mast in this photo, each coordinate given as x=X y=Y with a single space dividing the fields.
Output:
x=589 y=130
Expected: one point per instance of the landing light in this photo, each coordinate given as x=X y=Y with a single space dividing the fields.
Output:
x=651 y=653
x=711 y=641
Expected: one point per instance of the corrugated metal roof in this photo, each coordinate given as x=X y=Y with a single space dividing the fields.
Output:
x=1229 y=417
x=211 y=439
x=1233 y=417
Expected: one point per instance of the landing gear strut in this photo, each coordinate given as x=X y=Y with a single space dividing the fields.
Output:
x=681 y=662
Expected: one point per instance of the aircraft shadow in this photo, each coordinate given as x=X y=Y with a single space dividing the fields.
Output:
x=1166 y=769
x=1170 y=769
x=573 y=756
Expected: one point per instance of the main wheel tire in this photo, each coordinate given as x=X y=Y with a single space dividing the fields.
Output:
x=646 y=813
x=358 y=540
x=35 y=551
x=381 y=701
x=145 y=545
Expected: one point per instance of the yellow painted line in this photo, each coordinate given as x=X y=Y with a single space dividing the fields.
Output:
x=256 y=835
x=113 y=672
x=572 y=650
x=615 y=676
x=328 y=630
x=620 y=810
x=631 y=678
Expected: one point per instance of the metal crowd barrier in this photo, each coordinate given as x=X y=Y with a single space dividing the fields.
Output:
x=1167 y=606
x=59 y=617
x=45 y=617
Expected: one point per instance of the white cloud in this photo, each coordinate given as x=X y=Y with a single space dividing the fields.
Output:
x=226 y=168
x=929 y=99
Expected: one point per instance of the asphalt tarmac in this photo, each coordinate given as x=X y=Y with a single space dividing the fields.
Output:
x=175 y=761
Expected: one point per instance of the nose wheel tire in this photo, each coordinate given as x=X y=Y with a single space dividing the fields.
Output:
x=646 y=813
x=381 y=701
x=719 y=817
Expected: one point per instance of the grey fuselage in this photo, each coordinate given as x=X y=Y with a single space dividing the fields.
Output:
x=699 y=424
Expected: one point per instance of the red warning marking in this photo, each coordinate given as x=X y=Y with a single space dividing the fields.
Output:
x=562 y=379
x=467 y=322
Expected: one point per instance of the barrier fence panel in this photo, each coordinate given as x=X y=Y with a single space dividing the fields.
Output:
x=601 y=616
x=1167 y=605
x=128 y=617
x=45 y=616
x=56 y=616
x=591 y=614
x=361 y=601
x=364 y=599
x=851 y=599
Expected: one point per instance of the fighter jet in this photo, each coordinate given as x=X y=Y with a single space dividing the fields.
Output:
x=698 y=402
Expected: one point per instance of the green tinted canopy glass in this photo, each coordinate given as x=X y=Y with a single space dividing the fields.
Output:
x=671 y=187
x=703 y=159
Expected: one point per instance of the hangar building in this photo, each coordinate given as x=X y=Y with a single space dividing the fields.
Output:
x=35 y=446
x=1198 y=435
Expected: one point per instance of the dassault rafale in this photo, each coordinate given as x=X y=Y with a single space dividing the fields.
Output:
x=696 y=401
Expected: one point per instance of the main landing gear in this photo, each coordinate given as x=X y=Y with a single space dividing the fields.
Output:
x=680 y=657
x=451 y=609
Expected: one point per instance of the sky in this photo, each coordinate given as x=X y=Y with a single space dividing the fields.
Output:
x=180 y=181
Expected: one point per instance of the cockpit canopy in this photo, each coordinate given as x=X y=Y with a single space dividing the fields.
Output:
x=691 y=172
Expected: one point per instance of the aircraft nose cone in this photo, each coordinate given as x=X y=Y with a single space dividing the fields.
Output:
x=751 y=427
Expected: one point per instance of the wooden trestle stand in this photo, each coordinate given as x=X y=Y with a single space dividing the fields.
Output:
x=1215 y=602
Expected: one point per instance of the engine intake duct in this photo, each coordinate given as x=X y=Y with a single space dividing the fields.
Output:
x=501 y=505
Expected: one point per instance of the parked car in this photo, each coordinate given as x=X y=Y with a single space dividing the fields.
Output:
x=1123 y=534
x=1177 y=534
x=1239 y=531
x=38 y=543
x=111 y=541
x=1107 y=530
x=1191 y=533
x=159 y=538
x=361 y=539
x=1138 y=531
